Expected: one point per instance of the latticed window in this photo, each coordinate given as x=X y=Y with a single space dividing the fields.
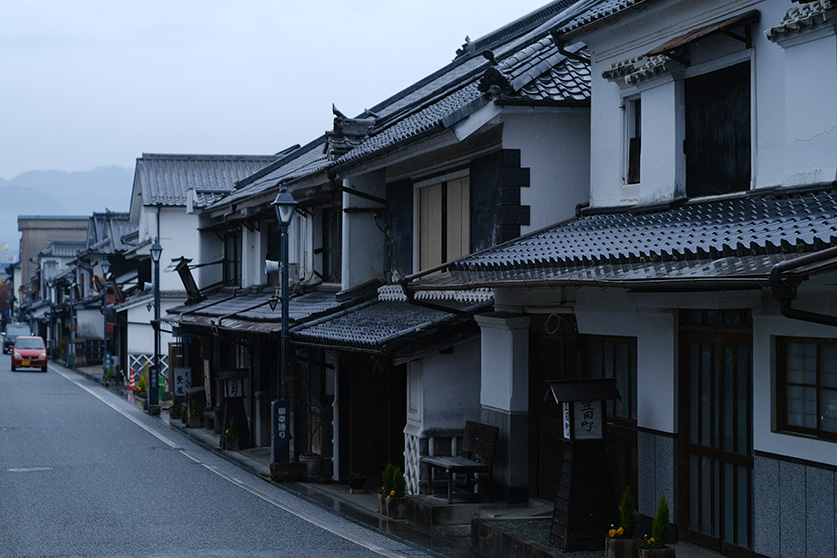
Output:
x=808 y=386
x=615 y=357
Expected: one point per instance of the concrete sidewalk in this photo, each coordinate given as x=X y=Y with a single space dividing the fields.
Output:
x=510 y=526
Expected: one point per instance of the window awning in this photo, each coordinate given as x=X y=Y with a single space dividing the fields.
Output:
x=724 y=26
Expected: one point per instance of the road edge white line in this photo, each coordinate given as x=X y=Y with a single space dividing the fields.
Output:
x=232 y=480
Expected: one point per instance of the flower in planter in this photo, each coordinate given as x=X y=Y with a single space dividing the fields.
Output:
x=393 y=484
x=660 y=529
x=626 y=527
x=231 y=431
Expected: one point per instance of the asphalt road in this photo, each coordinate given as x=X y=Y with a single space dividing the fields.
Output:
x=85 y=473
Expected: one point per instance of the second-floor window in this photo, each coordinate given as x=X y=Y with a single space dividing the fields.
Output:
x=717 y=144
x=331 y=249
x=232 y=258
x=633 y=109
x=443 y=221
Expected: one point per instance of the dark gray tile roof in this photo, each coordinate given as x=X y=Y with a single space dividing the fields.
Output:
x=734 y=236
x=64 y=248
x=381 y=325
x=540 y=72
x=304 y=162
x=250 y=311
x=801 y=17
x=597 y=10
x=165 y=179
x=105 y=232
x=536 y=72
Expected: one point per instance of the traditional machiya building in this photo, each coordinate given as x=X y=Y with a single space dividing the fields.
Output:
x=378 y=374
x=168 y=194
x=700 y=275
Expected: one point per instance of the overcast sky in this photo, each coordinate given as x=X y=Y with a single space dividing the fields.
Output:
x=87 y=83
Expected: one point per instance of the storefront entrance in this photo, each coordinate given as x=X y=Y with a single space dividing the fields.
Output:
x=558 y=352
x=716 y=440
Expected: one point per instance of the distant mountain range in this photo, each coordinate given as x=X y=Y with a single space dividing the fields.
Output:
x=59 y=193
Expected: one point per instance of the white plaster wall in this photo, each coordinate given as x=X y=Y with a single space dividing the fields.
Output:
x=363 y=241
x=440 y=388
x=767 y=324
x=769 y=87
x=662 y=163
x=504 y=382
x=179 y=236
x=607 y=188
x=210 y=249
x=605 y=312
x=140 y=332
x=811 y=110
x=89 y=323
x=555 y=147
x=252 y=267
x=657 y=369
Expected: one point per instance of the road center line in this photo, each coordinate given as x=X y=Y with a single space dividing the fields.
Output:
x=231 y=479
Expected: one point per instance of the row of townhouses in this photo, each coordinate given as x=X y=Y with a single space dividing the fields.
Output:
x=640 y=190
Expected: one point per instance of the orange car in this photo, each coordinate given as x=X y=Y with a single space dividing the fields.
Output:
x=29 y=352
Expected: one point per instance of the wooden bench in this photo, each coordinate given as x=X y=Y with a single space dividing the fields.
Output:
x=478 y=444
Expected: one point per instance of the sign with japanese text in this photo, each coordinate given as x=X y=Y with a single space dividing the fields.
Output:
x=567 y=420
x=587 y=420
x=235 y=387
x=207 y=384
x=280 y=431
x=181 y=382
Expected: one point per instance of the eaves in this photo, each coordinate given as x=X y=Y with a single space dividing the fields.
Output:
x=427 y=140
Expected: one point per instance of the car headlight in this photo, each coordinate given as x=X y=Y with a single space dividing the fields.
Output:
x=42 y=355
x=17 y=355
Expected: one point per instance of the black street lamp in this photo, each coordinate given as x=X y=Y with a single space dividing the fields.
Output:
x=105 y=356
x=71 y=348
x=154 y=377
x=284 y=204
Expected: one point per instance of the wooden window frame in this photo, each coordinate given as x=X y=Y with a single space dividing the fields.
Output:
x=629 y=399
x=782 y=385
x=232 y=266
x=422 y=235
x=633 y=136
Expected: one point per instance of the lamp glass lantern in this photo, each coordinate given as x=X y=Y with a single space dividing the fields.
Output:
x=105 y=267
x=284 y=205
x=156 y=251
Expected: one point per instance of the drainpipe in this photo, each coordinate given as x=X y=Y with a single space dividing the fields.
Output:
x=784 y=289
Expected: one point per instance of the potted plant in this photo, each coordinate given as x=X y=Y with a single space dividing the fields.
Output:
x=142 y=387
x=231 y=436
x=174 y=410
x=619 y=542
x=356 y=483
x=392 y=496
x=655 y=545
x=194 y=416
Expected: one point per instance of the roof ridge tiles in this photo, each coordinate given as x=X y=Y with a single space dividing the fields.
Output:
x=682 y=232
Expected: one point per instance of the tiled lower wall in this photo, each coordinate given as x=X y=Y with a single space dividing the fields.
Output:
x=657 y=464
x=795 y=508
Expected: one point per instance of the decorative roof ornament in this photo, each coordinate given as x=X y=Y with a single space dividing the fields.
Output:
x=799 y=18
x=347 y=133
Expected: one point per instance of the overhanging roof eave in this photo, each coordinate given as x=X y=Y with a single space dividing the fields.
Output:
x=703 y=283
